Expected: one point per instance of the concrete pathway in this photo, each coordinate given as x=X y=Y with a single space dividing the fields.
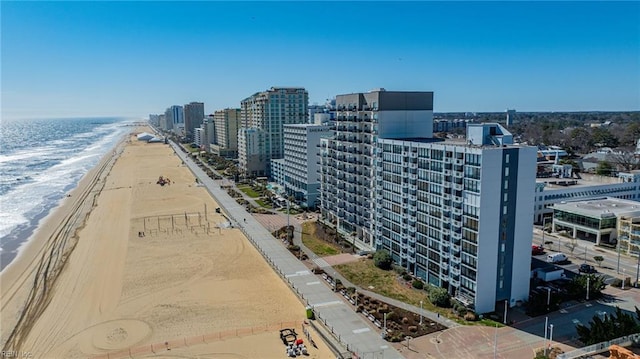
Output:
x=345 y=325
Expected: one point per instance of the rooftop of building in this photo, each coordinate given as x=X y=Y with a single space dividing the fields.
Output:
x=585 y=180
x=304 y=125
x=601 y=207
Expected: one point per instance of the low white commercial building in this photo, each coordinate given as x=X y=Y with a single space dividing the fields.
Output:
x=595 y=220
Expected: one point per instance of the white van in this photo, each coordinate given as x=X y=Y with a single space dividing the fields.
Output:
x=556 y=257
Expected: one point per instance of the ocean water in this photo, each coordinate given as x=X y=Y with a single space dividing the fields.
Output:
x=41 y=160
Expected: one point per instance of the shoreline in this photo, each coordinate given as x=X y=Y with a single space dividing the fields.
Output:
x=22 y=269
x=146 y=268
x=30 y=231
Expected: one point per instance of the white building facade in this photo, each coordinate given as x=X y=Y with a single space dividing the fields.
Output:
x=298 y=173
x=459 y=215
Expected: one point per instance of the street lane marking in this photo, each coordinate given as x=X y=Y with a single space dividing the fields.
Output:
x=563 y=311
x=313 y=283
x=575 y=321
x=361 y=330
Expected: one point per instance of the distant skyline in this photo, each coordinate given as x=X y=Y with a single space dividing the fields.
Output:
x=131 y=59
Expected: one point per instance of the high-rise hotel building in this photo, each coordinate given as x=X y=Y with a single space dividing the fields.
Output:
x=227 y=122
x=261 y=136
x=459 y=214
x=193 y=117
x=347 y=159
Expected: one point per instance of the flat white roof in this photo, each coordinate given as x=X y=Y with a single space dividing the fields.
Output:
x=602 y=207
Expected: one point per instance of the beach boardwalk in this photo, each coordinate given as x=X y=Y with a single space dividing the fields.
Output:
x=340 y=319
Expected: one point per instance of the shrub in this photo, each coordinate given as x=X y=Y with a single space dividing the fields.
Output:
x=439 y=297
x=417 y=284
x=399 y=269
x=406 y=277
x=294 y=248
x=392 y=316
x=382 y=259
x=470 y=317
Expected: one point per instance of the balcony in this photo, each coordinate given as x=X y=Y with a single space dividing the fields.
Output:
x=455 y=271
x=458 y=187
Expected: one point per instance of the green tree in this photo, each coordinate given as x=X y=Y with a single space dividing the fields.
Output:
x=577 y=288
x=610 y=327
x=602 y=137
x=604 y=168
x=580 y=139
x=599 y=259
x=382 y=259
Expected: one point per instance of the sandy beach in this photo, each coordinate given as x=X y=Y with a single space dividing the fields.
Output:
x=149 y=273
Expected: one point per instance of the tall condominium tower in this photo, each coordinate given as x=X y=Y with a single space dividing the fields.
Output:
x=458 y=214
x=298 y=172
x=227 y=124
x=260 y=138
x=193 y=116
x=348 y=158
x=174 y=119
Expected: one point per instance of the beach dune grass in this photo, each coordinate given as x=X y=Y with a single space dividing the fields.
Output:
x=317 y=245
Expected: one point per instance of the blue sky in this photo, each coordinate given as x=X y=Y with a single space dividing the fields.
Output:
x=135 y=58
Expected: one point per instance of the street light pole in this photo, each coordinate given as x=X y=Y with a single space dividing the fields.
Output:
x=548 y=298
x=550 y=335
x=420 y=312
x=585 y=253
x=544 y=228
x=384 y=325
x=546 y=327
x=506 y=305
x=618 y=247
x=588 y=286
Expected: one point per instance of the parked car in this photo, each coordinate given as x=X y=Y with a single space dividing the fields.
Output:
x=586 y=268
x=536 y=250
x=556 y=258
